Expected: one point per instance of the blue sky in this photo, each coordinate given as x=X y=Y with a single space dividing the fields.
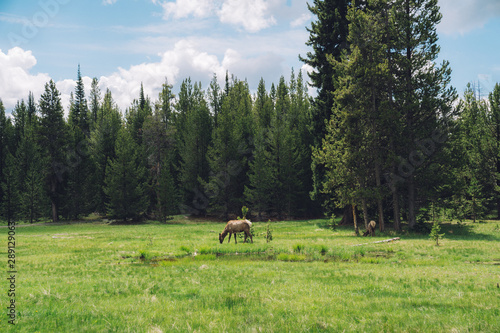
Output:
x=126 y=42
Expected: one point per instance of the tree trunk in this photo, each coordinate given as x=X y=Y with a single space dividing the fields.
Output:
x=347 y=216
x=365 y=212
x=53 y=190
x=395 y=208
x=379 y=197
x=409 y=115
x=356 y=230
x=54 y=212
x=411 y=203
x=473 y=209
x=395 y=196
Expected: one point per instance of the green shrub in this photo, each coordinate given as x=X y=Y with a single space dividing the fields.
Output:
x=332 y=223
x=185 y=249
x=269 y=233
x=298 y=248
x=145 y=255
x=323 y=249
x=244 y=212
x=435 y=235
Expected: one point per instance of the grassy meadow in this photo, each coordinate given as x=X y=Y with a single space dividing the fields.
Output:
x=98 y=277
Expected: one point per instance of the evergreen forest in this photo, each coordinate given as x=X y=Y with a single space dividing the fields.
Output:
x=385 y=137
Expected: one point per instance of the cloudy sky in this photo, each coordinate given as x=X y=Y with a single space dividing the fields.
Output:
x=126 y=42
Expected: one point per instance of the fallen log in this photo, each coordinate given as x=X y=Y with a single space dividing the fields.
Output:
x=382 y=241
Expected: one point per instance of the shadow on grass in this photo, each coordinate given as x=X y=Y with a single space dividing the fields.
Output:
x=462 y=231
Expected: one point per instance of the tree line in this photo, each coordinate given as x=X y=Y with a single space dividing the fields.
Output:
x=396 y=144
x=386 y=137
x=200 y=152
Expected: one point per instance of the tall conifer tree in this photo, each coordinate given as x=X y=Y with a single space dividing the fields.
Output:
x=102 y=147
x=53 y=135
x=124 y=175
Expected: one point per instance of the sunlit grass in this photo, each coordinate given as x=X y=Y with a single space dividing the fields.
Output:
x=96 y=277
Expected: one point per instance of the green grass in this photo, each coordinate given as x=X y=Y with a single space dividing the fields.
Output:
x=96 y=277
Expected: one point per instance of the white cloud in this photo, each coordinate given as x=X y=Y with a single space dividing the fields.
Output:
x=15 y=77
x=182 y=61
x=253 y=15
x=300 y=21
x=186 y=59
x=306 y=70
x=184 y=8
x=462 y=16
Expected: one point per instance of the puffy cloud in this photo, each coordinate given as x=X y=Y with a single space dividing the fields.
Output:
x=462 y=16
x=185 y=59
x=108 y=2
x=267 y=65
x=15 y=77
x=185 y=8
x=253 y=15
x=182 y=61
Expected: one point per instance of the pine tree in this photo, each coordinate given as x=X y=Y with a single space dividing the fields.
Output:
x=159 y=140
x=80 y=168
x=215 y=97
x=351 y=151
x=124 y=173
x=79 y=112
x=258 y=192
x=301 y=127
x=285 y=150
x=363 y=91
x=136 y=115
x=232 y=144
x=10 y=201
x=164 y=107
x=3 y=143
x=263 y=106
x=20 y=115
x=32 y=115
x=53 y=136
x=167 y=194
x=328 y=38
x=30 y=162
x=102 y=147
x=421 y=88
x=476 y=168
x=95 y=101
x=494 y=99
x=194 y=147
x=31 y=181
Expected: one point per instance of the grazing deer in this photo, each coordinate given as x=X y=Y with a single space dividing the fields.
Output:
x=371 y=229
x=235 y=226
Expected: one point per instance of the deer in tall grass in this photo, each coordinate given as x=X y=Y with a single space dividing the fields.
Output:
x=234 y=227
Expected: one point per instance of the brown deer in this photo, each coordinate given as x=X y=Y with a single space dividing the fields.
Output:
x=371 y=229
x=235 y=226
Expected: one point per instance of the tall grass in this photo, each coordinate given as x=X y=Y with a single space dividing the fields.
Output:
x=146 y=278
